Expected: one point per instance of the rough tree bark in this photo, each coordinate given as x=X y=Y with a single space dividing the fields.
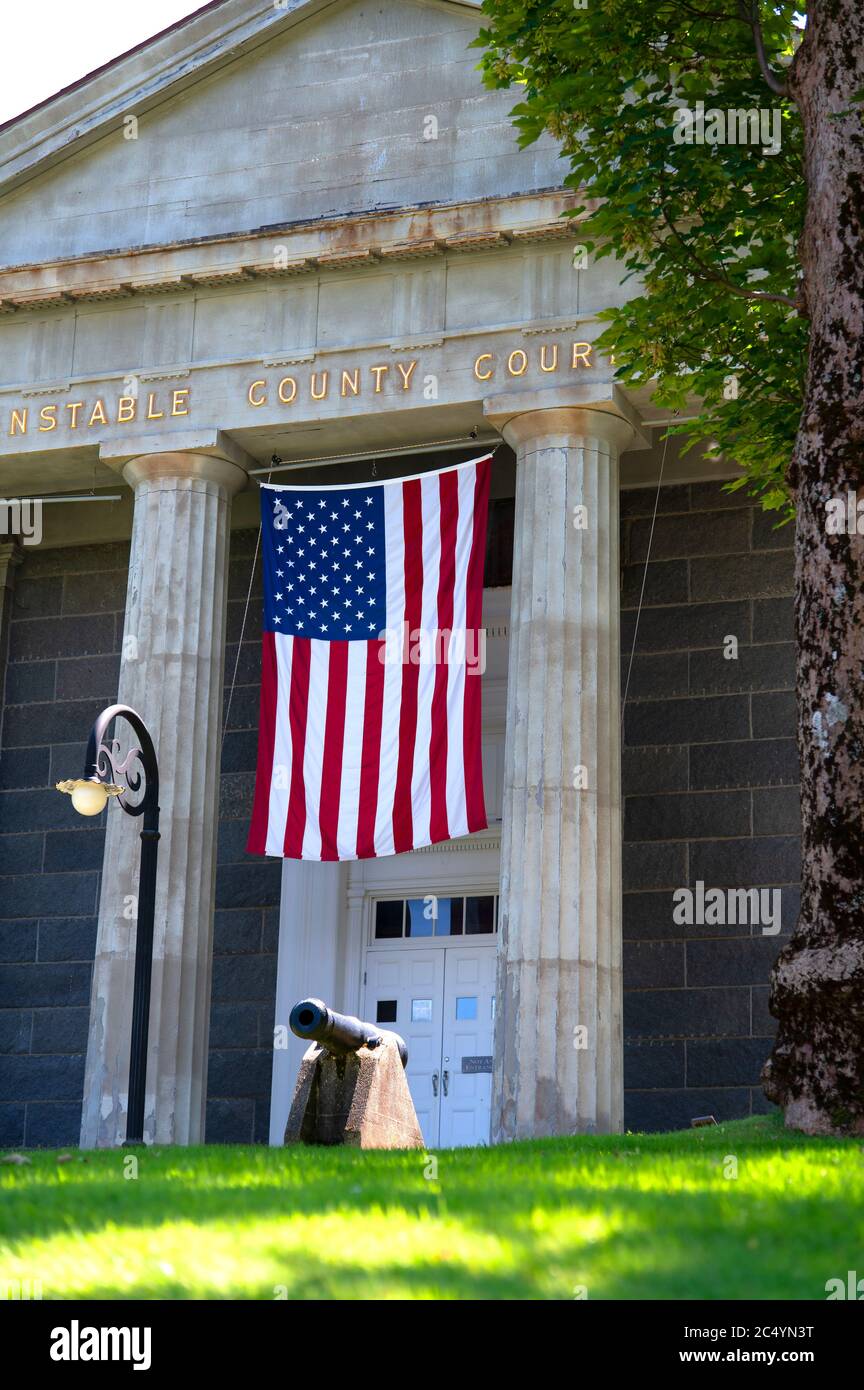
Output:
x=816 y=1071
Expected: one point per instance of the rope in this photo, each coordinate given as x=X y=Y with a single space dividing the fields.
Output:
x=461 y=441
x=274 y=462
x=644 y=580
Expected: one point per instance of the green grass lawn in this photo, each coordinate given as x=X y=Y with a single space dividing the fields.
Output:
x=633 y=1217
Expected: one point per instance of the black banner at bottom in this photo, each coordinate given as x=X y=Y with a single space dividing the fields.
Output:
x=224 y=1337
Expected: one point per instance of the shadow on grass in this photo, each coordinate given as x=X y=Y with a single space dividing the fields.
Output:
x=561 y=1212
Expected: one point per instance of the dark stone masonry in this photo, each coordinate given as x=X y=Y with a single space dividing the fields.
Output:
x=710 y=782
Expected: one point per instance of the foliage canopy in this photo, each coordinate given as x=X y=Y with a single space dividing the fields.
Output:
x=710 y=229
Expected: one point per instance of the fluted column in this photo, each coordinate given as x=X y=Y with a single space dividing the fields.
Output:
x=11 y=556
x=558 y=1051
x=171 y=673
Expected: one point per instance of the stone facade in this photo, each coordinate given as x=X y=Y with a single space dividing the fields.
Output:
x=203 y=263
x=720 y=803
x=710 y=777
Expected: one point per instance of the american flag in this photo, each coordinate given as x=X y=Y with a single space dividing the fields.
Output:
x=370 y=728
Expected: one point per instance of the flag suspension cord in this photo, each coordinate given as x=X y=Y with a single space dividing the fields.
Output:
x=371 y=456
x=276 y=464
x=644 y=578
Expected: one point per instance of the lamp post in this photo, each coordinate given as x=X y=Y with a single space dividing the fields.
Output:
x=90 y=795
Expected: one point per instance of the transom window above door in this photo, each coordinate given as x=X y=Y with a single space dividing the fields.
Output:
x=404 y=918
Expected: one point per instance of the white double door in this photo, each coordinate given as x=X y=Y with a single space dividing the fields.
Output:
x=441 y=1000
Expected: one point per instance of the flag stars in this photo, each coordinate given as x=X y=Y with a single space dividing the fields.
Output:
x=330 y=523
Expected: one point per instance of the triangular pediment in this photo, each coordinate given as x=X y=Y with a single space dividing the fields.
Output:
x=251 y=115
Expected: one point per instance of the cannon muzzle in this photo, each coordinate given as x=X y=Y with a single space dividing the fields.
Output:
x=337 y=1033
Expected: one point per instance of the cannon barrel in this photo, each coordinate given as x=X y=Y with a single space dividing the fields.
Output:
x=337 y=1033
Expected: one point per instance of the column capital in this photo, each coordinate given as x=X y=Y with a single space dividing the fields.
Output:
x=599 y=410
x=11 y=556
x=209 y=455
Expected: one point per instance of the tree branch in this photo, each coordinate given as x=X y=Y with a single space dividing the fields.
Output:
x=706 y=273
x=750 y=15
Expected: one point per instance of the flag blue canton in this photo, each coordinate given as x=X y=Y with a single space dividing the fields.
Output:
x=325 y=572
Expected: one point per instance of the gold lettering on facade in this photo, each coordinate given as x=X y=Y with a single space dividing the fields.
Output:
x=406 y=375
x=546 y=358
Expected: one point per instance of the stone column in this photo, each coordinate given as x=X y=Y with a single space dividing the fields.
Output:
x=558 y=1050
x=11 y=556
x=171 y=673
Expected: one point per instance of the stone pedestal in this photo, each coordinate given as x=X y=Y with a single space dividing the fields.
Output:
x=558 y=1051
x=171 y=674
x=361 y=1100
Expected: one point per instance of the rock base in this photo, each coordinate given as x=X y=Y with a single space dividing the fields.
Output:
x=361 y=1099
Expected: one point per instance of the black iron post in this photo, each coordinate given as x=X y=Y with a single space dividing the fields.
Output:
x=102 y=762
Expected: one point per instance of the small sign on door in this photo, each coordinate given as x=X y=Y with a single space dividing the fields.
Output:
x=472 y=1065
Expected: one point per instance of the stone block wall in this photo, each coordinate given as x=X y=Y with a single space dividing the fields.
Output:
x=246 y=930
x=63 y=644
x=710 y=780
x=64 y=634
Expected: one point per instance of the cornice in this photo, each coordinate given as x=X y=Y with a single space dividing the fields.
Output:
x=332 y=245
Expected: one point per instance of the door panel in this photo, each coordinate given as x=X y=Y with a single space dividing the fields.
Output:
x=469 y=1022
x=404 y=992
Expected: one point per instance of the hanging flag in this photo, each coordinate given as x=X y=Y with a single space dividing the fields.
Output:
x=370 y=733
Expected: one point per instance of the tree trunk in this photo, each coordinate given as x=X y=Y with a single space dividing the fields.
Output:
x=816 y=1070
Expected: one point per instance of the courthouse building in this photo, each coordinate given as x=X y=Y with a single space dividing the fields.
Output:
x=307 y=231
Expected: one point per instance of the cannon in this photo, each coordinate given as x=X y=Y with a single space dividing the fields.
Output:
x=338 y=1034
x=351 y=1088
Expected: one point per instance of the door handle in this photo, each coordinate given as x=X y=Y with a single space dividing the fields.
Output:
x=435 y=1083
x=445 y=1080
